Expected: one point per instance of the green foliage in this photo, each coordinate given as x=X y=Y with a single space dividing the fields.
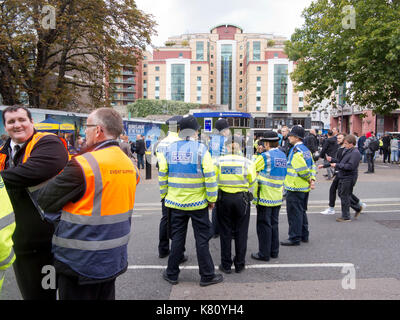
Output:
x=89 y=43
x=144 y=107
x=270 y=43
x=367 y=56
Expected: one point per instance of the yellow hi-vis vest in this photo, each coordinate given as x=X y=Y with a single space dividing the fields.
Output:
x=235 y=173
x=272 y=169
x=7 y=227
x=301 y=168
x=186 y=176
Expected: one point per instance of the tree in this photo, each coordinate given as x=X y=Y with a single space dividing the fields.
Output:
x=87 y=43
x=354 y=41
x=144 y=107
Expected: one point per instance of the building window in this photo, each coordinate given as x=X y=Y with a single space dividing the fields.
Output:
x=258 y=68
x=157 y=78
x=258 y=108
x=258 y=88
x=240 y=64
x=240 y=80
x=211 y=97
x=144 y=89
x=240 y=97
x=212 y=64
x=212 y=72
x=212 y=56
x=144 y=81
x=256 y=50
x=300 y=99
x=240 y=89
x=157 y=68
x=240 y=105
x=276 y=55
x=198 y=78
x=280 y=87
x=178 y=82
x=226 y=75
x=145 y=73
x=198 y=88
x=198 y=68
x=241 y=72
x=198 y=98
x=212 y=89
x=212 y=80
x=258 y=98
x=145 y=66
x=259 y=122
x=180 y=54
x=241 y=56
x=157 y=88
x=258 y=78
x=199 y=50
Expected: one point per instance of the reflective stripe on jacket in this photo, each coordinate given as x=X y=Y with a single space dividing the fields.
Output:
x=93 y=233
x=186 y=176
x=7 y=227
x=161 y=149
x=235 y=173
x=301 y=168
x=272 y=168
x=216 y=146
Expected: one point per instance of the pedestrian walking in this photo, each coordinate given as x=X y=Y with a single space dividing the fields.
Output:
x=29 y=159
x=329 y=148
x=335 y=183
x=140 y=150
x=92 y=201
x=300 y=179
x=284 y=143
x=187 y=176
x=394 y=149
x=386 y=147
x=347 y=173
x=236 y=175
x=271 y=166
x=360 y=145
x=371 y=145
x=7 y=227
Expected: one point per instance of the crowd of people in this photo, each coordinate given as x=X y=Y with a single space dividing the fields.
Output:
x=72 y=210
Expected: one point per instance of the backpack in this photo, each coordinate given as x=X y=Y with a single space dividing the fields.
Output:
x=374 y=145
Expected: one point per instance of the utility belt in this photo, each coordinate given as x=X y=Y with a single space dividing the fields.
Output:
x=247 y=195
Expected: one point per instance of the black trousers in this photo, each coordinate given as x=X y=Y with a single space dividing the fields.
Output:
x=347 y=197
x=370 y=160
x=332 y=191
x=214 y=222
x=202 y=234
x=233 y=215
x=268 y=231
x=28 y=272
x=296 y=207
x=70 y=289
x=163 y=244
x=386 y=155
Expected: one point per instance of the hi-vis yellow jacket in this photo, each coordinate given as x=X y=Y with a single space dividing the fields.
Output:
x=7 y=227
x=186 y=176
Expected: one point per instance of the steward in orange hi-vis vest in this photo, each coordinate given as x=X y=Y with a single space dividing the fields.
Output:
x=93 y=232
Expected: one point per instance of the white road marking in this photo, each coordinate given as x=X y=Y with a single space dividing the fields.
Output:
x=254 y=266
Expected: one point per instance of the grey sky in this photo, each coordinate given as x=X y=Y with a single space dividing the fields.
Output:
x=176 y=17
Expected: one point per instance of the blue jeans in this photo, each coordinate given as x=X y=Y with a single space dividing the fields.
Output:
x=395 y=156
x=140 y=160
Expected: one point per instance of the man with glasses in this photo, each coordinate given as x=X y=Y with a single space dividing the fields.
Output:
x=92 y=203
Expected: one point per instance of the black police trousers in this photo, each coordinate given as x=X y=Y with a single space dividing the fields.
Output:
x=268 y=231
x=201 y=227
x=296 y=207
x=233 y=215
x=163 y=244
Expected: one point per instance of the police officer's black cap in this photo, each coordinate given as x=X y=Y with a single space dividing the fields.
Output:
x=270 y=135
x=173 y=120
x=298 y=132
x=221 y=124
x=234 y=139
x=188 y=122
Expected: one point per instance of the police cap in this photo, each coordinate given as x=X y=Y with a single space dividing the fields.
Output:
x=269 y=135
x=188 y=122
x=297 y=131
x=221 y=124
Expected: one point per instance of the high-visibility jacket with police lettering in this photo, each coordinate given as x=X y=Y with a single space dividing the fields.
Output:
x=93 y=233
x=301 y=168
x=272 y=168
x=186 y=176
x=235 y=173
x=162 y=147
x=216 y=146
x=7 y=227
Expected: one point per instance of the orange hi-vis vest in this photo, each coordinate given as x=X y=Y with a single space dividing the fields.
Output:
x=28 y=150
x=93 y=233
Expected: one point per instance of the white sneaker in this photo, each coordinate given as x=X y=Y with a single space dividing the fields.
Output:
x=363 y=206
x=328 y=211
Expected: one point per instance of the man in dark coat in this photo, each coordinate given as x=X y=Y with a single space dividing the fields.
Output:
x=140 y=150
x=32 y=236
x=329 y=148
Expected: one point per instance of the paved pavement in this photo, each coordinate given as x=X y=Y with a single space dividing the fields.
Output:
x=357 y=260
